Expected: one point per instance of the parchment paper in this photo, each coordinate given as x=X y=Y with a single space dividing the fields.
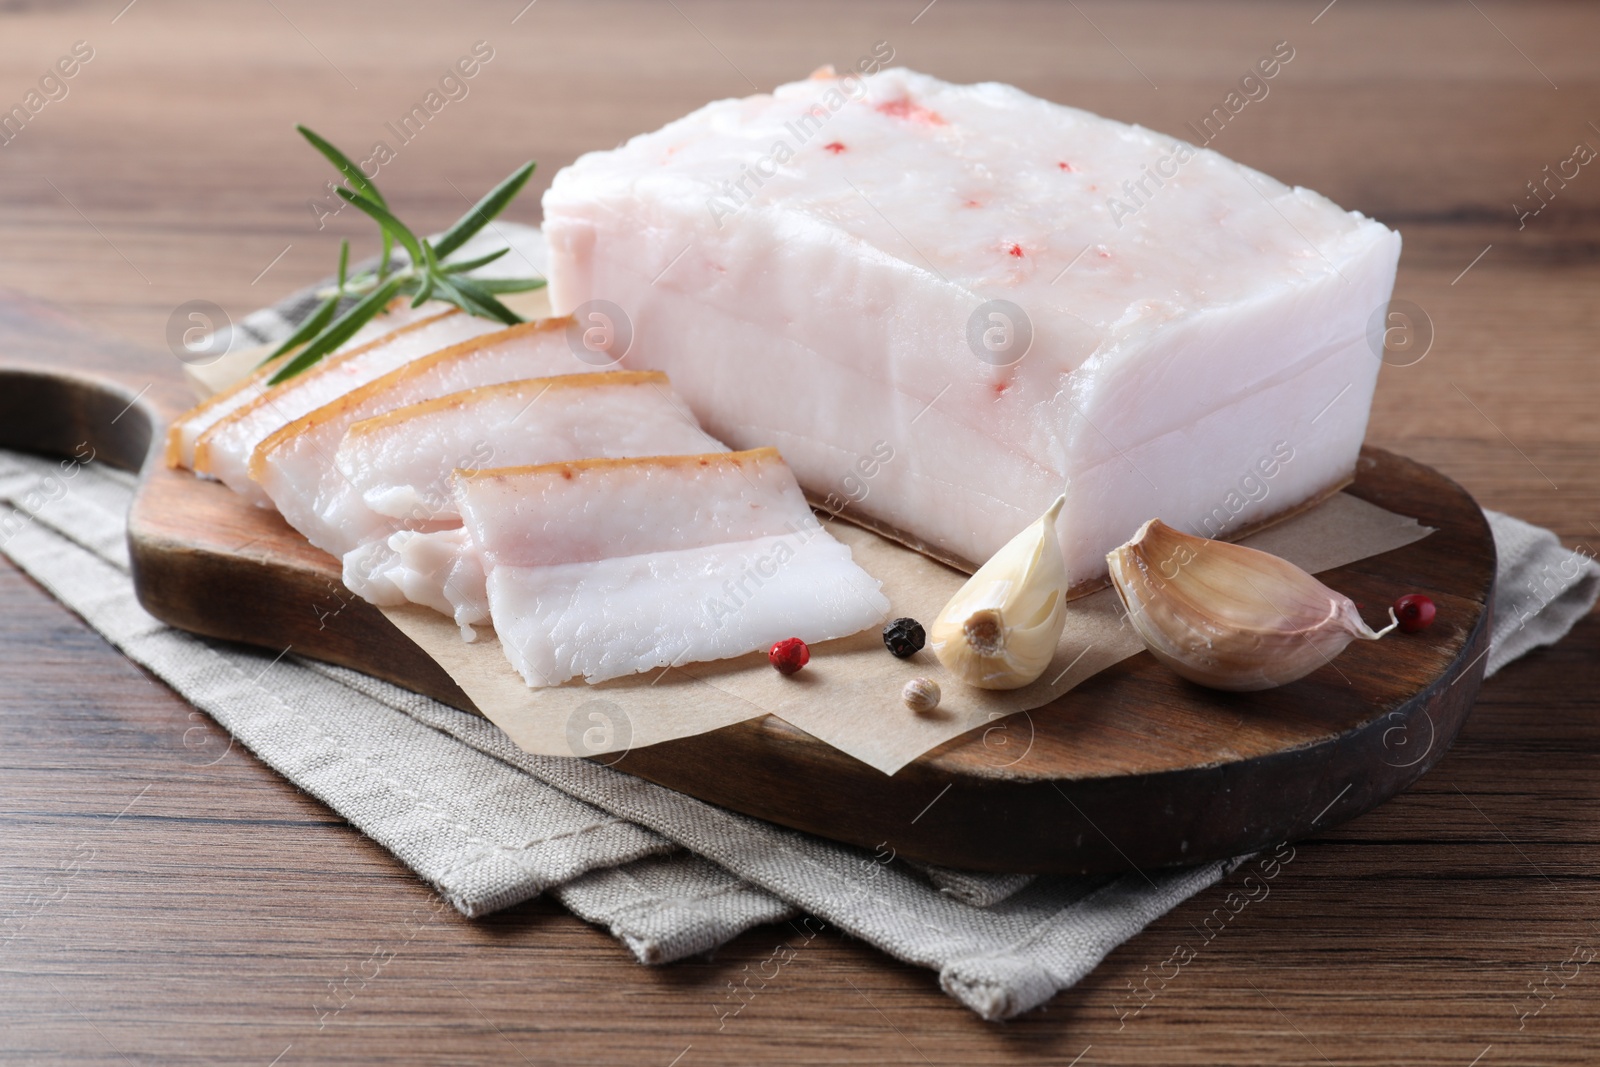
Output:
x=849 y=695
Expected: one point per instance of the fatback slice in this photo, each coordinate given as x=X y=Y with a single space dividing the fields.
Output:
x=604 y=568
x=224 y=450
x=400 y=465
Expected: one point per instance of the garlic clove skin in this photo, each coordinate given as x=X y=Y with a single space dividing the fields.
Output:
x=1001 y=628
x=1230 y=617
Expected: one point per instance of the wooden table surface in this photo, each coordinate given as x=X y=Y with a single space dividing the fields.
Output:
x=170 y=900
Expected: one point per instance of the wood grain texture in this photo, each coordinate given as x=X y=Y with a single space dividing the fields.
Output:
x=214 y=912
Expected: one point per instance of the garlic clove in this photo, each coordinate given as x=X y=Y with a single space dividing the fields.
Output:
x=1227 y=616
x=1001 y=628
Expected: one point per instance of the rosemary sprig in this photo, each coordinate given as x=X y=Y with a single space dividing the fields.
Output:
x=425 y=277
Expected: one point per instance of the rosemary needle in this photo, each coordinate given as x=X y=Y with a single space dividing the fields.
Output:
x=425 y=276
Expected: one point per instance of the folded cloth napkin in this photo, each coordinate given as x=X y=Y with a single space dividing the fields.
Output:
x=670 y=876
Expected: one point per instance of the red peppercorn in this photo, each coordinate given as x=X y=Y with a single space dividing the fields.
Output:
x=1415 y=612
x=789 y=655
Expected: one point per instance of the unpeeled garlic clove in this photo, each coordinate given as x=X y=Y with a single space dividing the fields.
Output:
x=1001 y=628
x=1230 y=617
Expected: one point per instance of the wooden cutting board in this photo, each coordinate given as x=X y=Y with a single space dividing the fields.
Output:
x=1135 y=768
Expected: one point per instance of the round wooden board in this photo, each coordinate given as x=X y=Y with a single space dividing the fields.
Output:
x=1134 y=769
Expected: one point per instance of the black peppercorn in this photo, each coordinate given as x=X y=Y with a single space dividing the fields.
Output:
x=904 y=637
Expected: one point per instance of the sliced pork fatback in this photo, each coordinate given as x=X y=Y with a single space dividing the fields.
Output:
x=604 y=568
x=296 y=466
x=400 y=462
x=223 y=451
x=394 y=490
x=185 y=431
x=818 y=269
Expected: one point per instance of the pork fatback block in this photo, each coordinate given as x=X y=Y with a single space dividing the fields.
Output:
x=1011 y=297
